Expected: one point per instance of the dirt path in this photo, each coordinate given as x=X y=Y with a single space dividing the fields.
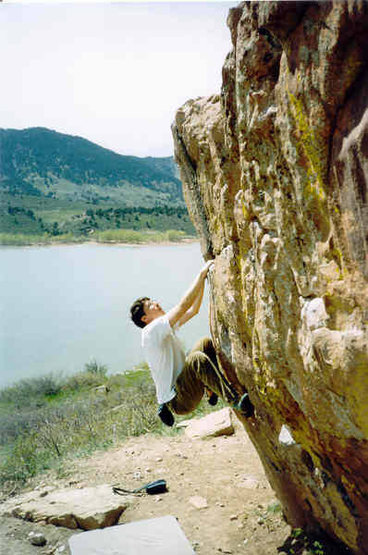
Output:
x=226 y=471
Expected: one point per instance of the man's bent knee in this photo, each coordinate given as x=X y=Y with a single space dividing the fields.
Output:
x=203 y=344
x=196 y=359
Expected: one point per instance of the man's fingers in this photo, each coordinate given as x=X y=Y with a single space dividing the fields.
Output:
x=207 y=267
x=210 y=266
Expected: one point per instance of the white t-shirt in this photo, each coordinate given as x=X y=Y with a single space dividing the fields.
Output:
x=165 y=356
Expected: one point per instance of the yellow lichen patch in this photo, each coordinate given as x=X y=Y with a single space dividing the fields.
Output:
x=264 y=378
x=309 y=144
x=245 y=211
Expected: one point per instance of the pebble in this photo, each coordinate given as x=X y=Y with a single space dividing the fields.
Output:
x=198 y=502
x=181 y=456
x=159 y=459
x=137 y=475
x=36 y=538
x=234 y=517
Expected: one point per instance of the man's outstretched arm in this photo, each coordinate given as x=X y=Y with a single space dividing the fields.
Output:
x=191 y=301
x=194 y=309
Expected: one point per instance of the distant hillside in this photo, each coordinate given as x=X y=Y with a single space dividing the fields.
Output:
x=33 y=161
x=52 y=183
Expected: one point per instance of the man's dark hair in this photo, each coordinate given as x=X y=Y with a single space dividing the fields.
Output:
x=137 y=311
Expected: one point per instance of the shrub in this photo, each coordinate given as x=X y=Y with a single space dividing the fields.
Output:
x=82 y=381
x=174 y=235
x=94 y=367
x=24 y=460
x=28 y=391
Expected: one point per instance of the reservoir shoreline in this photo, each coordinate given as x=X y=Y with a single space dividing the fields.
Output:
x=166 y=243
x=127 y=238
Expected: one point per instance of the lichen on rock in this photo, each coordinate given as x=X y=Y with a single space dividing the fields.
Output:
x=275 y=176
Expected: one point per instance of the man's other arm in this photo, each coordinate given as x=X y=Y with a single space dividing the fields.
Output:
x=194 y=309
x=191 y=301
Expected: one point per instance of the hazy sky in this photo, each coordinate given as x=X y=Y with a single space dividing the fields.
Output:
x=114 y=73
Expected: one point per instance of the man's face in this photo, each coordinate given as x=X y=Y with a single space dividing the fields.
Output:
x=152 y=310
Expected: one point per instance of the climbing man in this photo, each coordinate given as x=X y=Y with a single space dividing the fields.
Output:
x=182 y=380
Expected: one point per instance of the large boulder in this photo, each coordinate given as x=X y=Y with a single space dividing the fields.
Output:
x=218 y=423
x=275 y=175
x=86 y=508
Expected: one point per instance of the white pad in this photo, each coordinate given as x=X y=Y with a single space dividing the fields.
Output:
x=157 y=536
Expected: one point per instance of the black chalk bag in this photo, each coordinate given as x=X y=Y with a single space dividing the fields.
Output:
x=158 y=486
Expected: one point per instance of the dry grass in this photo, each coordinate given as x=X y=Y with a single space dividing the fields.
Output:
x=44 y=421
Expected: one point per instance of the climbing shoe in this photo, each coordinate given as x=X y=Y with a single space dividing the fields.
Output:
x=244 y=405
x=212 y=399
x=165 y=415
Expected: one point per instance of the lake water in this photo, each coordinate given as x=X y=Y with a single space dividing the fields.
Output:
x=63 y=306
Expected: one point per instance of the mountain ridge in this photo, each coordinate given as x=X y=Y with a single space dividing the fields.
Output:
x=41 y=152
x=53 y=183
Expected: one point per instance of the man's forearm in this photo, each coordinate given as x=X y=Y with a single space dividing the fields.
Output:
x=198 y=300
x=194 y=309
x=194 y=291
x=191 y=296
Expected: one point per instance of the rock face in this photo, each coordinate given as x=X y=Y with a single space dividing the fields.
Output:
x=275 y=173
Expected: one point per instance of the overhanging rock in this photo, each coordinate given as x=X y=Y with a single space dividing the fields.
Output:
x=275 y=175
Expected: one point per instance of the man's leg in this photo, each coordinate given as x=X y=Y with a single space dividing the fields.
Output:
x=205 y=345
x=200 y=371
x=228 y=393
x=189 y=391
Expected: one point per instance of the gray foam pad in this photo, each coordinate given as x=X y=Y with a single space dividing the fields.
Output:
x=156 y=536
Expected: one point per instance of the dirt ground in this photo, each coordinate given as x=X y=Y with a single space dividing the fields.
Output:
x=240 y=517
